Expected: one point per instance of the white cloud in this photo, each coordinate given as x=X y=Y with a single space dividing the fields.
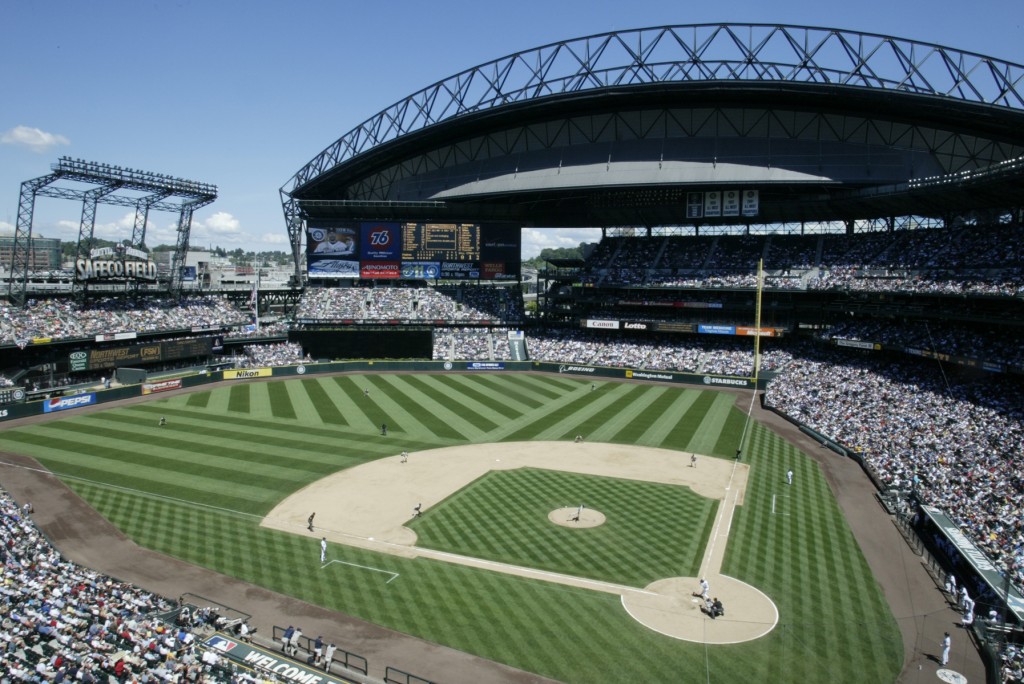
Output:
x=220 y=229
x=536 y=239
x=6 y=228
x=33 y=138
x=118 y=230
x=221 y=224
x=279 y=238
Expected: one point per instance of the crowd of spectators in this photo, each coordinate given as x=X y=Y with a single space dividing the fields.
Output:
x=984 y=260
x=1005 y=347
x=276 y=328
x=276 y=354
x=62 y=319
x=449 y=304
x=65 y=623
x=955 y=442
x=1012 y=667
x=671 y=353
x=471 y=344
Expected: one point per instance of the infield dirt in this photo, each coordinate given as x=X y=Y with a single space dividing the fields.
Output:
x=369 y=505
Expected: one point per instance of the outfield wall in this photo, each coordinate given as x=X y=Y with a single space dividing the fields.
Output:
x=79 y=399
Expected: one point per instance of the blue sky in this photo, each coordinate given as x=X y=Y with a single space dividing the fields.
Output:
x=241 y=94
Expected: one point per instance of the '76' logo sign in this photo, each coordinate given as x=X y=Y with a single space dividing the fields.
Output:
x=380 y=238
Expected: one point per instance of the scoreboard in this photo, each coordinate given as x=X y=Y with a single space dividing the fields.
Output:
x=440 y=242
x=169 y=350
x=413 y=250
x=12 y=395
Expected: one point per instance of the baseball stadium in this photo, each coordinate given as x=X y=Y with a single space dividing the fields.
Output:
x=768 y=428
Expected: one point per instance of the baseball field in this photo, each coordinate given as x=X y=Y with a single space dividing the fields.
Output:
x=495 y=565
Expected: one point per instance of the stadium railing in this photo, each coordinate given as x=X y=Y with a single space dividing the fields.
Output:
x=392 y=675
x=346 y=659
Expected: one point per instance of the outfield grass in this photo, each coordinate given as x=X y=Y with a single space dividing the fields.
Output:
x=197 y=487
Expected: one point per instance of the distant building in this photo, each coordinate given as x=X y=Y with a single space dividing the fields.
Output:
x=44 y=253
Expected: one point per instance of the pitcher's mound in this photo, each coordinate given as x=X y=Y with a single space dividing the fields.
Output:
x=566 y=517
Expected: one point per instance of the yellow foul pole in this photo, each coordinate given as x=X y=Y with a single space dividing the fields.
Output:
x=757 y=322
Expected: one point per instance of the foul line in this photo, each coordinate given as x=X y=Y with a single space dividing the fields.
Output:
x=533 y=573
x=725 y=511
x=394 y=575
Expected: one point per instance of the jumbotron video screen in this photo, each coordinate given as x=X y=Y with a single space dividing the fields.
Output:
x=413 y=250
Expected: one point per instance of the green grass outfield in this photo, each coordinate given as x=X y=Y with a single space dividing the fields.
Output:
x=197 y=488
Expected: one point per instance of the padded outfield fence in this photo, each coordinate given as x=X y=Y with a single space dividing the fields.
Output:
x=56 y=402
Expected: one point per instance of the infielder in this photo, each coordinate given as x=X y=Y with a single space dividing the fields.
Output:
x=323 y=549
x=789 y=476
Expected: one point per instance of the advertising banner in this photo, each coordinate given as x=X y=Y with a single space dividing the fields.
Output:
x=65 y=403
x=649 y=375
x=501 y=243
x=380 y=242
x=380 y=270
x=267 y=662
x=114 y=357
x=485 y=365
x=716 y=329
x=111 y=337
x=749 y=331
x=569 y=368
x=674 y=327
x=493 y=270
x=460 y=270
x=247 y=373
x=606 y=325
x=162 y=386
x=333 y=251
x=420 y=270
x=856 y=344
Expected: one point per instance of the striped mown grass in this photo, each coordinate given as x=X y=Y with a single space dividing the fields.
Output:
x=503 y=517
x=197 y=488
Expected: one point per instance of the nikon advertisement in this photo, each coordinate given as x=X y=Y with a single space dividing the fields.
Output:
x=139 y=354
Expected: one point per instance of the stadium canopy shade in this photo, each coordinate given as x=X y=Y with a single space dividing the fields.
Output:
x=615 y=129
